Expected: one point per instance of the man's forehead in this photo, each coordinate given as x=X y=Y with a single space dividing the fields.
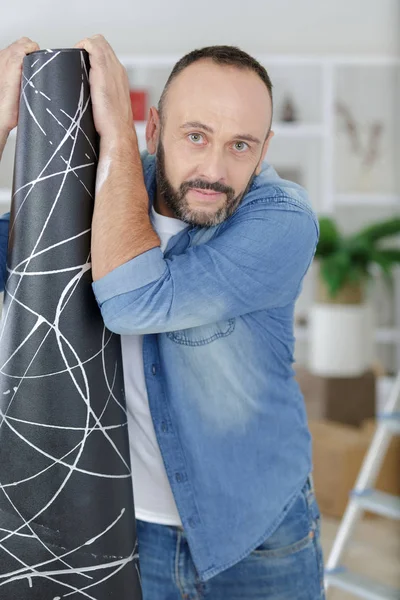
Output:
x=205 y=89
x=205 y=71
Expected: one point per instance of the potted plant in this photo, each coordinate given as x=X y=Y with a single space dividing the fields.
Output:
x=341 y=320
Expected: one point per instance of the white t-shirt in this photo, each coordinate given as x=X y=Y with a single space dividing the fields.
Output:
x=154 y=501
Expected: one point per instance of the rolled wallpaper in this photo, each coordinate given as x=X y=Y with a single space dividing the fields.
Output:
x=67 y=526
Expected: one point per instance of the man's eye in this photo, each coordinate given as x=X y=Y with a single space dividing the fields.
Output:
x=241 y=146
x=195 y=137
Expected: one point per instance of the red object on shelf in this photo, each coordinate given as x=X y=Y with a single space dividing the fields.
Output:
x=139 y=104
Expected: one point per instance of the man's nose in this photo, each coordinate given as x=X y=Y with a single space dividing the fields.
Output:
x=212 y=167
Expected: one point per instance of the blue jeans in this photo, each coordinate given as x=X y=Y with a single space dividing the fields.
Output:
x=287 y=566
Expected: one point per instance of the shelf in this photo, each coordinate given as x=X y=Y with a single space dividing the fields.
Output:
x=298 y=130
x=380 y=503
x=369 y=199
x=383 y=335
x=387 y=335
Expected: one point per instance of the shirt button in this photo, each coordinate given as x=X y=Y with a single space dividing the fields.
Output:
x=192 y=522
x=154 y=369
x=178 y=477
x=164 y=427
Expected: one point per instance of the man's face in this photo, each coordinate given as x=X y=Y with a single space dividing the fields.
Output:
x=212 y=142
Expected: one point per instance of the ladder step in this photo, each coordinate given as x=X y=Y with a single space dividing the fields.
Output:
x=381 y=503
x=391 y=421
x=361 y=586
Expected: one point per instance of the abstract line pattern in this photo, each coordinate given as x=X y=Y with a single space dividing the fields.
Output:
x=67 y=526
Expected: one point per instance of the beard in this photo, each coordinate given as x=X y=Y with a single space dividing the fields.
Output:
x=176 y=199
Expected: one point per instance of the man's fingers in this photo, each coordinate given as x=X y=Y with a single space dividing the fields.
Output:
x=25 y=42
x=31 y=47
x=97 y=46
x=11 y=61
x=90 y=41
x=35 y=46
x=23 y=46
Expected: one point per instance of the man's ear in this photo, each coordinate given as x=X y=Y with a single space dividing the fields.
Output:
x=264 y=151
x=152 y=130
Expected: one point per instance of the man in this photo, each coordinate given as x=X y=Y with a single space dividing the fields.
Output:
x=199 y=250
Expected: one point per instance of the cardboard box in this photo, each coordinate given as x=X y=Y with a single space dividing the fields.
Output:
x=389 y=475
x=338 y=453
x=348 y=400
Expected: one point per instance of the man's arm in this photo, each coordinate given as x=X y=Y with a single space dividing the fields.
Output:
x=258 y=262
x=121 y=228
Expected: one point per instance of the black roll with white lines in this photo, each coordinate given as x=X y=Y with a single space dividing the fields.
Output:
x=67 y=525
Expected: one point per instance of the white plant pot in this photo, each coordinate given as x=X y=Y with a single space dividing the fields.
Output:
x=341 y=340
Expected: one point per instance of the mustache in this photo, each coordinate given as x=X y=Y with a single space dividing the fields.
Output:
x=205 y=185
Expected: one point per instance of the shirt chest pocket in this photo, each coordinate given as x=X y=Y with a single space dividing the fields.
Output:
x=200 y=336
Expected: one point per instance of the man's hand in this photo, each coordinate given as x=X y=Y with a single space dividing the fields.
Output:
x=109 y=87
x=11 y=59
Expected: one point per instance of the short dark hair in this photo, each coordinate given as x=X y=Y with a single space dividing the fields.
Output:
x=221 y=55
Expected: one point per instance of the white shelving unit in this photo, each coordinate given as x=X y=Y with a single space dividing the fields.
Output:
x=368 y=200
x=315 y=144
x=383 y=335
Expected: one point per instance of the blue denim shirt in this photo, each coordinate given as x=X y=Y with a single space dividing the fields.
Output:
x=217 y=314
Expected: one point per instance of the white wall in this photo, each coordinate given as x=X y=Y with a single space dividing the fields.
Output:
x=176 y=26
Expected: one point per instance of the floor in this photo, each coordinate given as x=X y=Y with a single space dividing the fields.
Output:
x=375 y=551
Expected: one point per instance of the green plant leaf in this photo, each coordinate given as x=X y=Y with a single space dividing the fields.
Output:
x=334 y=271
x=391 y=255
x=381 y=229
x=329 y=237
x=348 y=259
x=359 y=250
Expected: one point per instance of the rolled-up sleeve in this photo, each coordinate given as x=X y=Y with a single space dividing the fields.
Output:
x=4 y=224
x=257 y=262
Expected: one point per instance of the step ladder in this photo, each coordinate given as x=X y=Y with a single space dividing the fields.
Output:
x=364 y=497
